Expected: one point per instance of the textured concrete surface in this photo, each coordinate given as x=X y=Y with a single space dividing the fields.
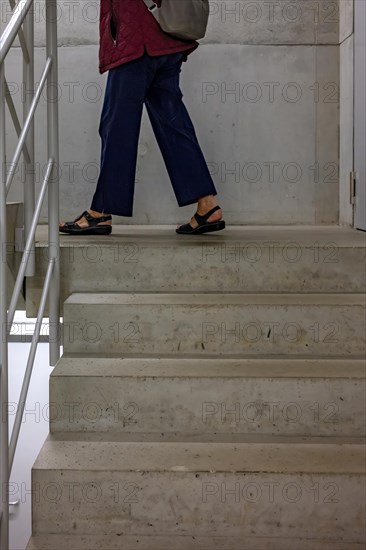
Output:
x=186 y=395
x=208 y=457
x=306 y=235
x=231 y=21
x=148 y=542
x=345 y=19
x=187 y=489
x=223 y=323
x=246 y=259
x=158 y=384
x=179 y=437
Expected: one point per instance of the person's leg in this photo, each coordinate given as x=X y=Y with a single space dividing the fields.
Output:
x=119 y=130
x=176 y=137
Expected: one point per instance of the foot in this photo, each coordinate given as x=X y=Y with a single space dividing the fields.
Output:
x=204 y=206
x=215 y=217
x=88 y=223
x=84 y=223
x=205 y=220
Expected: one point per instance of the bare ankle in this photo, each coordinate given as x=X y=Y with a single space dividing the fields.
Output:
x=207 y=202
x=96 y=213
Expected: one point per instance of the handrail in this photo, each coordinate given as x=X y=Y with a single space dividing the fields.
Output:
x=12 y=29
x=4 y=393
x=22 y=24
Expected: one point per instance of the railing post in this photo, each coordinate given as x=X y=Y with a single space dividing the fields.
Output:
x=31 y=216
x=29 y=179
x=53 y=191
x=4 y=395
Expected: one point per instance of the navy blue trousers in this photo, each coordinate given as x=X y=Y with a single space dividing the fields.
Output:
x=153 y=81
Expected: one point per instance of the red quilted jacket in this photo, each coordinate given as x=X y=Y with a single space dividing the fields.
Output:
x=127 y=28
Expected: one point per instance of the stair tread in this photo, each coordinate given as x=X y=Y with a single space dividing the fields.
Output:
x=215 y=298
x=127 y=456
x=181 y=437
x=304 y=235
x=196 y=367
x=181 y=542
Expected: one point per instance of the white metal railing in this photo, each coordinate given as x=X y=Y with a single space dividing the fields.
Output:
x=21 y=24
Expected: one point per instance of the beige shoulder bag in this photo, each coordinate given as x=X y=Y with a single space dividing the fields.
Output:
x=184 y=19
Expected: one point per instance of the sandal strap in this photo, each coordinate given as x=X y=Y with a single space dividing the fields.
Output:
x=91 y=219
x=78 y=218
x=202 y=219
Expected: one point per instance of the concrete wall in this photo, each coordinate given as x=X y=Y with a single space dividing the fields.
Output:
x=262 y=91
x=346 y=116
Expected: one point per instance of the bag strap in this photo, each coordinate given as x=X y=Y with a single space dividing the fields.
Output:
x=151 y=6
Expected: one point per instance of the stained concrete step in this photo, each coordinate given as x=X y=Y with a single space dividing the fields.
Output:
x=240 y=259
x=223 y=323
x=148 y=542
x=196 y=395
x=256 y=492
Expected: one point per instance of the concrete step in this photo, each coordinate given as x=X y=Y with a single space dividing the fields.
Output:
x=180 y=437
x=222 y=323
x=148 y=542
x=240 y=259
x=257 y=492
x=195 y=395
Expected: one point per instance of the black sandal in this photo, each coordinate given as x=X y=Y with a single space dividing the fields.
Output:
x=92 y=229
x=203 y=225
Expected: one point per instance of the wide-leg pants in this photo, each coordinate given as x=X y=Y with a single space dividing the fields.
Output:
x=153 y=81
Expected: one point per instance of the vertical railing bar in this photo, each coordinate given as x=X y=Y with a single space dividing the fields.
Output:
x=28 y=248
x=15 y=119
x=4 y=391
x=13 y=164
x=53 y=188
x=23 y=45
x=29 y=179
x=29 y=368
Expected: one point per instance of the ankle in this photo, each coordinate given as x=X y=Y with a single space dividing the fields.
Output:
x=206 y=207
x=206 y=203
x=96 y=214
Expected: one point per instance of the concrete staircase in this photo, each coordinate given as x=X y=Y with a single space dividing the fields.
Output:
x=211 y=394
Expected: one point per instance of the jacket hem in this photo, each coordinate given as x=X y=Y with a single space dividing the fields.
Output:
x=189 y=49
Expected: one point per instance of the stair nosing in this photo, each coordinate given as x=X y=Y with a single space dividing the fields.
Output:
x=134 y=367
x=188 y=457
x=215 y=299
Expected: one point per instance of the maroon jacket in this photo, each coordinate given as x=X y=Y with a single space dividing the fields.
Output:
x=127 y=28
